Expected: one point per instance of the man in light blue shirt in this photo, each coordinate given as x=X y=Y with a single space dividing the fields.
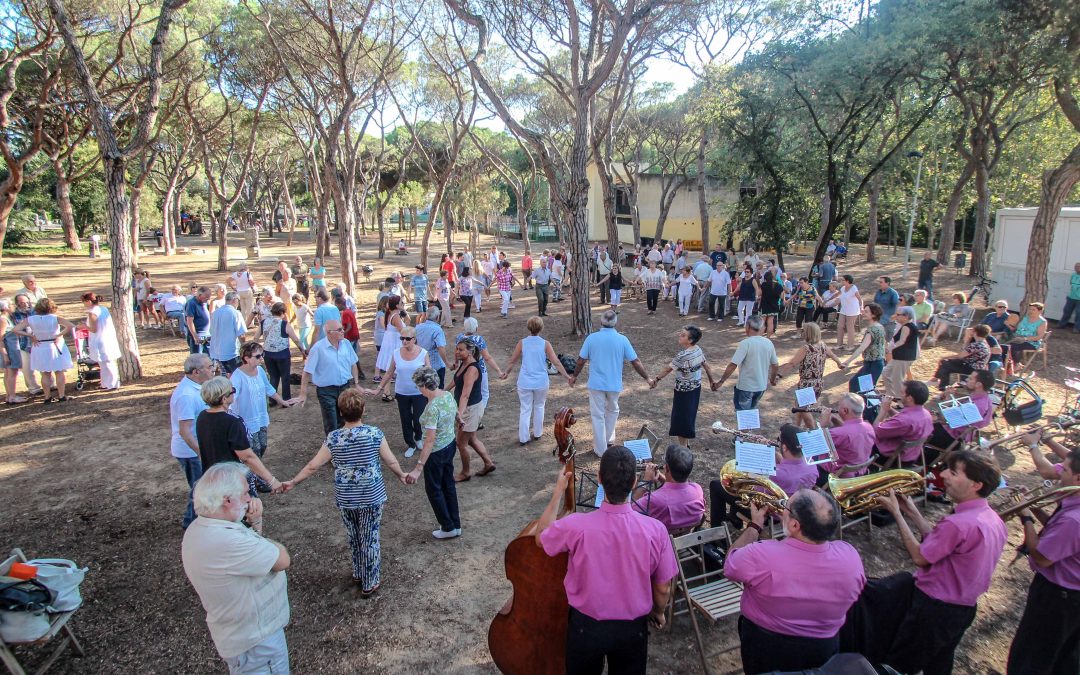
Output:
x=430 y=336
x=331 y=367
x=889 y=299
x=324 y=311
x=1072 y=302
x=755 y=357
x=607 y=350
x=227 y=332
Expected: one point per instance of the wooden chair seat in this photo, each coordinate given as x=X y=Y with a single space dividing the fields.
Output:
x=58 y=625
x=1029 y=356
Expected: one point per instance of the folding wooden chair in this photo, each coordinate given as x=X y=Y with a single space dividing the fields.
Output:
x=1029 y=356
x=846 y=522
x=58 y=624
x=707 y=592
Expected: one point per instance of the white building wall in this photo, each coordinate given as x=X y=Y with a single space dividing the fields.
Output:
x=1012 y=234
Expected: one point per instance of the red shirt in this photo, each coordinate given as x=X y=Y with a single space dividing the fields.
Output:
x=616 y=555
x=451 y=269
x=348 y=322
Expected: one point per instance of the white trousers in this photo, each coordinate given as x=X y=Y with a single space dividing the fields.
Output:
x=247 y=303
x=604 y=410
x=269 y=657
x=684 y=302
x=532 y=409
x=110 y=374
x=505 y=302
x=746 y=310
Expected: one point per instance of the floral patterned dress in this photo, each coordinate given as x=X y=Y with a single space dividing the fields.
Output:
x=812 y=367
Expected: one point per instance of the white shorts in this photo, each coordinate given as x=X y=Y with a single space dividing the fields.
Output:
x=473 y=415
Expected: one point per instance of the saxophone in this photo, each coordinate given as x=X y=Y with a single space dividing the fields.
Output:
x=753 y=489
x=858 y=495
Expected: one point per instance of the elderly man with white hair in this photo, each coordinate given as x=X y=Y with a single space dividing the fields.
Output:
x=607 y=350
x=238 y=574
x=185 y=404
x=32 y=289
x=332 y=367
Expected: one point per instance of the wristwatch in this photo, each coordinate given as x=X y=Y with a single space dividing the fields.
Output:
x=754 y=526
x=1026 y=520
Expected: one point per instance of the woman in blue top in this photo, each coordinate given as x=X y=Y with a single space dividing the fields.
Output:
x=318 y=274
x=359 y=491
x=1029 y=334
x=252 y=387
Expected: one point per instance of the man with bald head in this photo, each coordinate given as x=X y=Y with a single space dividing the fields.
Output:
x=796 y=590
x=331 y=366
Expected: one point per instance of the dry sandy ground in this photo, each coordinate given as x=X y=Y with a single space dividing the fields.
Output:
x=92 y=480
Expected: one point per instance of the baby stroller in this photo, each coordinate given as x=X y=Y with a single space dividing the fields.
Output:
x=88 y=368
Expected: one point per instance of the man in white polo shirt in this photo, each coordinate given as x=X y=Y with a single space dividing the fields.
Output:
x=185 y=404
x=238 y=574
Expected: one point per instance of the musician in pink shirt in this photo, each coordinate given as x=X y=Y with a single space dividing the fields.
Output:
x=677 y=503
x=792 y=471
x=618 y=578
x=1048 y=637
x=956 y=560
x=978 y=383
x=853 y=437
x=912 y=423
x=796 y=590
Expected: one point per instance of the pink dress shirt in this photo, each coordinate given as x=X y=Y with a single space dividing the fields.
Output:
x=963 y=550
x=674 y=504
x=794 y=474
x=1060 y=544
x=986 y=409
x=854 y=441
x=616 y=555
x=795 y=588
x=911 y=423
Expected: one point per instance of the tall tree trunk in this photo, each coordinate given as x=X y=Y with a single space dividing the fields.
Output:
x=874 y=197
x=703 y=200
x=290 y=210
x=448 y=229
x=522 y=218
x=223 y=238
x=607 y=192
x=167 y=204
x=982 y=219
x=118 y=211
x=380 y=218
x=63 y=205
x=9 y=194
x=1056 y=187
x=344 y=219
x=952 y=208
x=577 y=194
x=136 y=223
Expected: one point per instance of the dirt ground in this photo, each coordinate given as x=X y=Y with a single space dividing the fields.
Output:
x=92 y=480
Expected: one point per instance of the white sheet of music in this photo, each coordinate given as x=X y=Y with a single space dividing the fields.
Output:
x=971 y=412
x=755 y=458
x=866 y=383
x=599 y=496
x=640 y=448
x=805 y=397
x=814 y=446
x=748 y=419
x=954 y=416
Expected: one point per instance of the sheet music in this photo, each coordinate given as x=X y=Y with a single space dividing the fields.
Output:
x=805 y=397
x=748 y=419
x=599 y=496
x=755 y=458
x=866 y=383
x=815 y=447
x=954 y=416
x=971 y=412
x=640 y=448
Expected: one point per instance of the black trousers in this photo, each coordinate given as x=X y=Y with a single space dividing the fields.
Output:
x=328 y=405
x=278 y=370
x=625 y=645
x=804 y=314
x=947 y=368
x=652 y=297
x=467 y=299
x=723 y=507
x=440 y=487
x=1047 y=641
x=764 y=651
x=928 y=635
x=542 y=298
x=716 y=306
x=409 y=410
x=822 y=313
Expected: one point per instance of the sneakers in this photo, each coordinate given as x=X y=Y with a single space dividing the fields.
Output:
x=410 y=452
x=442 y=534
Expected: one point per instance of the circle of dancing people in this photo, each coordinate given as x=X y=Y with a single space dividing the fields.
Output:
x=801 y=586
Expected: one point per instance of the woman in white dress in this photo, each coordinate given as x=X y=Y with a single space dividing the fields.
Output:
x=104 y=347
x=393 y=322
x=49 y=354
x=534 y=352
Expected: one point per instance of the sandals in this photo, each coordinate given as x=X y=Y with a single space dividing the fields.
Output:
x=461 y=477
x=16 y=401
x=387 y=398
x=368 y=592
x=50 y=399
x=486 y=470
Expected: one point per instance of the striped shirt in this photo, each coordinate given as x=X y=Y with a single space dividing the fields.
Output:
x=653 y=279
x=358 y=479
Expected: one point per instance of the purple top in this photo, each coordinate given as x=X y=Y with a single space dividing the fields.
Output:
x=1060 y=544
x=674 y=504
x=854 y=441
x=616 y=555
x=793 y=587
x=910 y=424
x=963 y=550
x=794 y=474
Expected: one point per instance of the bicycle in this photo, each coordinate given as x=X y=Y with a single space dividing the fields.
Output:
x=982 y=287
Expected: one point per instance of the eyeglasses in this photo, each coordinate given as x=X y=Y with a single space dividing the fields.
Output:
x=232 y=392
x=1002 y=307
x=335 y=330
x=256 y=356
x=406 y=339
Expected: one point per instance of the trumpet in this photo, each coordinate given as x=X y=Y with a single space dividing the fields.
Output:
x=745 y=436
x=1045 y=495
x=1058 y=429
x=859 y=495
x=753 y=489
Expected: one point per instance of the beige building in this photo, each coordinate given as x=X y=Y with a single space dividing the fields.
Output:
x=684 y=217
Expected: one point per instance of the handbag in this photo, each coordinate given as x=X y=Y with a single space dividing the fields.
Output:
x=1016 y=413
x=63 y=578
x=17 y=595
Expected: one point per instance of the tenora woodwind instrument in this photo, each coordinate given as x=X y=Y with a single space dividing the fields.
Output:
x=1047 y=494
x=745 y=436
x=751 y=488
x=859 y=495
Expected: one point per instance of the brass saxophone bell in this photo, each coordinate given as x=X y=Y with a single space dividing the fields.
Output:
x=858 y=495
x=752 y=489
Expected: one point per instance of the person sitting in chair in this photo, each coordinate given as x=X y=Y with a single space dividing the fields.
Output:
x=796 y=590
x=913 y=423
x=852 y=436
x=978 y=384
x=677 y=503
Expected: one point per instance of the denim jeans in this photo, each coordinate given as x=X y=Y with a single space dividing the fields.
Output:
x=328 y=405
x=871 y=368
x=441 y=489
x=192 y=468
x=746 y=400
x=1071 y=307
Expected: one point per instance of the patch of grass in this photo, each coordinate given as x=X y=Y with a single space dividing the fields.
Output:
x=47 y=250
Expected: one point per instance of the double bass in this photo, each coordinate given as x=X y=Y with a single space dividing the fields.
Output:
x=528 y=635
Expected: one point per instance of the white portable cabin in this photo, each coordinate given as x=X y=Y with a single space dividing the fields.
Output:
x=1012 y=234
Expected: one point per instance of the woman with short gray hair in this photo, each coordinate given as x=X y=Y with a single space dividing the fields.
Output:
x=437 y=455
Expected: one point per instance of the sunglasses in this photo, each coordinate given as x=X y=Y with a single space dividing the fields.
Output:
x=407 y=339
x=256 y=356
